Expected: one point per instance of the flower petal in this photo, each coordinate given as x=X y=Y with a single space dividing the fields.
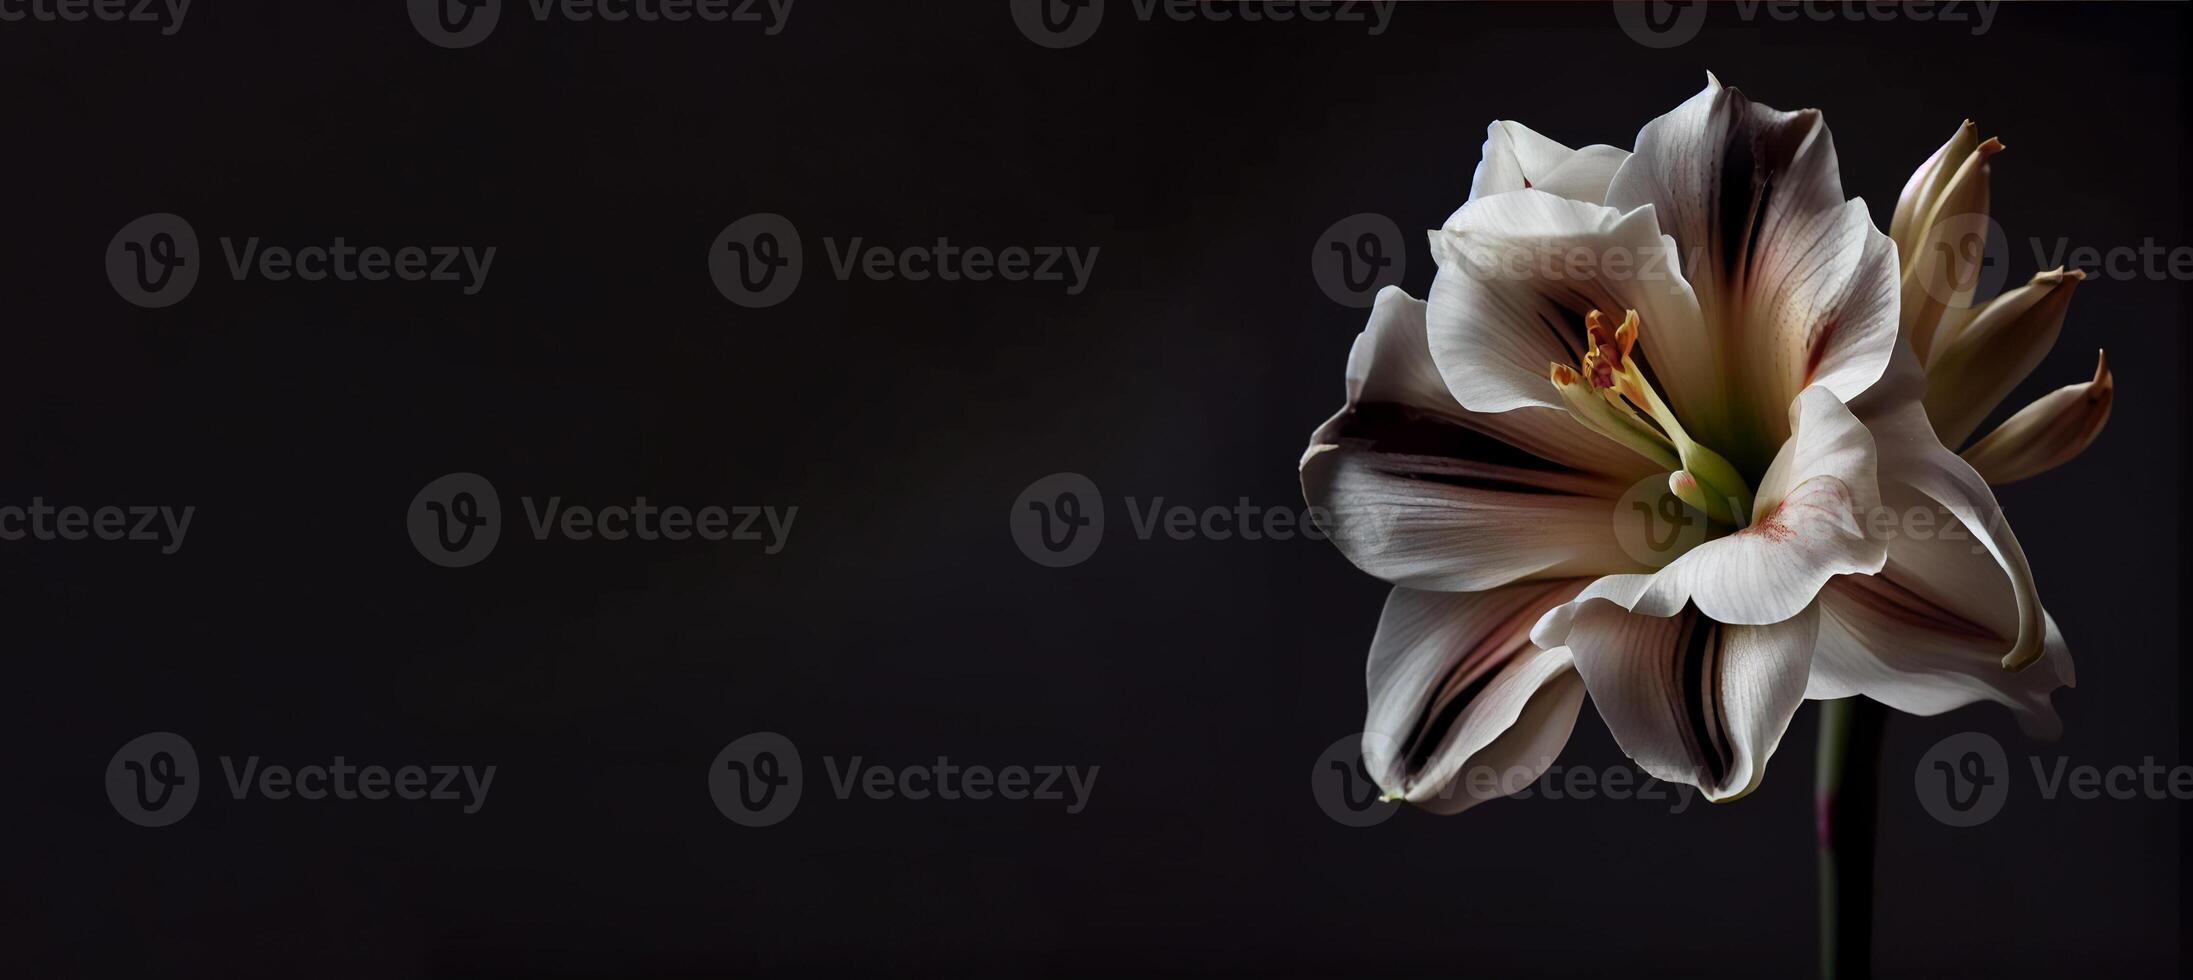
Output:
x=1391 y=379
x=1459 y=694
x=1808 y=525
x=1925 y=189
x=1795 y=286
x=2057 y=427
x=1689 y=699
x=1439 y=522
x=1925 y=635
x=1516 y=158
x=1974 y=370
x=1418 y=491
x=1916 y=470
x=1943 y=243
x=1517 y=274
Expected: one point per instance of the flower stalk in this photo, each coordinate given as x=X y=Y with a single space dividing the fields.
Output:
x=1846 y=796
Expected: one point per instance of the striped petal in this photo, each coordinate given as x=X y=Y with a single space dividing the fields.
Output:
x=1689 y=699
x=1418 y=491
x=1463 y=708
x=1795 y=286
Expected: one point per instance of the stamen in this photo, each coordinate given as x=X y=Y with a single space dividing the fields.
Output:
x=1600 y=369
x=1702 y=478
x=1587 y=407
x=1621 y=337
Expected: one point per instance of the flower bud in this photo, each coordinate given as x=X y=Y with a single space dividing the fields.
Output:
x=2048 y=433
x=1978 y=366
x=1941 y=229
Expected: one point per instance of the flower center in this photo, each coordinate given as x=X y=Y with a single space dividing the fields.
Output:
x=1607 y=392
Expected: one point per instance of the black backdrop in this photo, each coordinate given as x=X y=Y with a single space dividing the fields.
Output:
x=901 y=623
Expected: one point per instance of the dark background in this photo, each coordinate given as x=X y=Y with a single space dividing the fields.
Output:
x=901 y=623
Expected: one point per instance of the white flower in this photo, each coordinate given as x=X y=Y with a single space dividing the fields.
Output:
x=1721 y=326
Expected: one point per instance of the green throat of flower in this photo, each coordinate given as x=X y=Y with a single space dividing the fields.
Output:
x=1607 y=392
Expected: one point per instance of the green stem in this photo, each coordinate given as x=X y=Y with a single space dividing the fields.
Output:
x=1846 y=792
